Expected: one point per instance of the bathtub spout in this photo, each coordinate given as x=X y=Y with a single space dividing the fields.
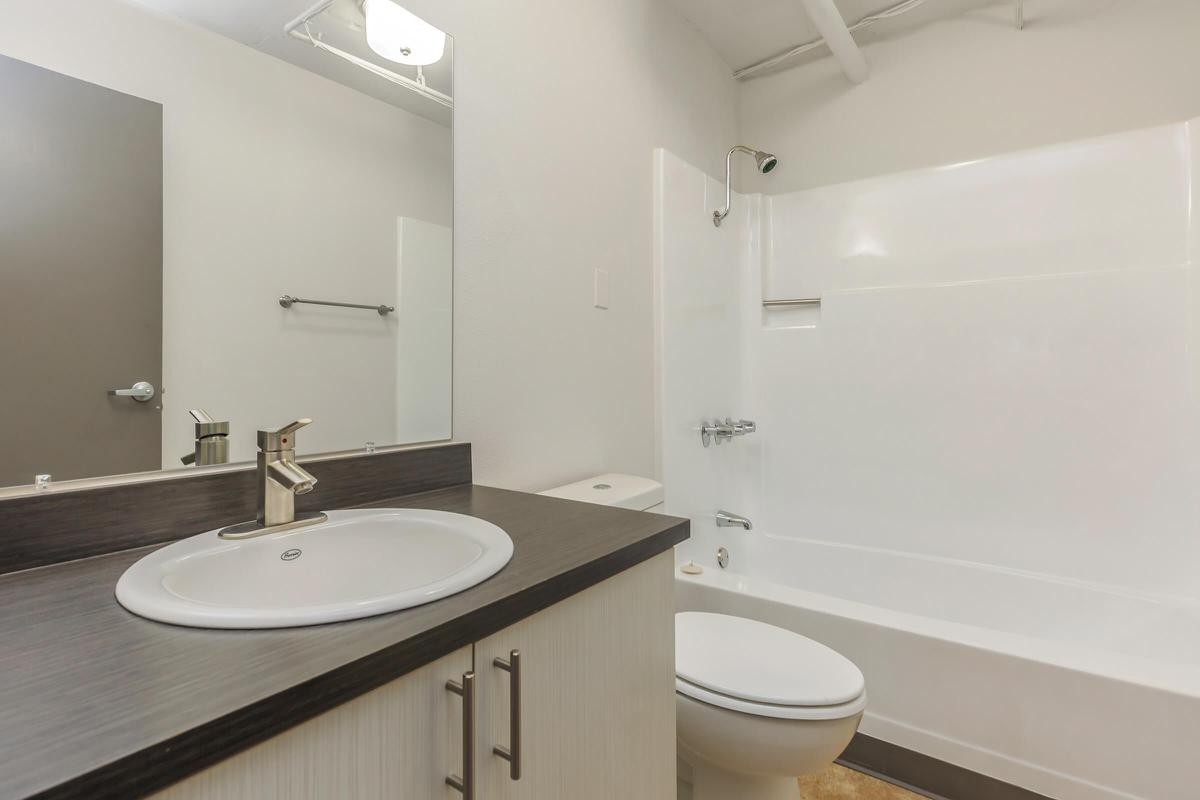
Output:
x=728 y=520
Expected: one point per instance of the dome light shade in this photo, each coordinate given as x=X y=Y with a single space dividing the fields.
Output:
x=401 y=36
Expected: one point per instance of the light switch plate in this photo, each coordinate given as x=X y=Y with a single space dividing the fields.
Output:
x=600 y=289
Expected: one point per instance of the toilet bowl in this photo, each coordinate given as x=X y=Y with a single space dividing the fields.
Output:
x=758 y=705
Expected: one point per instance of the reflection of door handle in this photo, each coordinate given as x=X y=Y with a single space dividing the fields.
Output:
x=140 y=391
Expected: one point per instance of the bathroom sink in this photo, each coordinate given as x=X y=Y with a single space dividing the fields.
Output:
x=357 y=564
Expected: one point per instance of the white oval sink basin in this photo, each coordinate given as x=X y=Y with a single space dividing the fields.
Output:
x=357 y=564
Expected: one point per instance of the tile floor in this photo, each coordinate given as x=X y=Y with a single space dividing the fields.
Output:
x=839 y=783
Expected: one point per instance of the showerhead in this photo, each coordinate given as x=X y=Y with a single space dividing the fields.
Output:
x=766 y=162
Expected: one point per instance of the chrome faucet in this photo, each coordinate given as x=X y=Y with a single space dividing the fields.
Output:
x=279 y=480
x=715 y=430
x=728 y=520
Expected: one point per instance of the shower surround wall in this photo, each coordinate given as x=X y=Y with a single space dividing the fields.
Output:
x=1002 y=368
x=1002 y=376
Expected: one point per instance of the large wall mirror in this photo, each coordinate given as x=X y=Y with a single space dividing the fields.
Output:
x=231 y=212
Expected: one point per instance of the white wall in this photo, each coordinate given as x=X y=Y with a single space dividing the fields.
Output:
x=972 y=86
x=559 y=107
x=276 y=181
x=1002 y=369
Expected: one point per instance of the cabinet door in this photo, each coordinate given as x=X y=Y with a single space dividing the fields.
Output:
x=398 y=742
x=597 y=698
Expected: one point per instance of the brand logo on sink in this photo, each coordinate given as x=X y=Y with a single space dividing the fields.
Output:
x=291 y=555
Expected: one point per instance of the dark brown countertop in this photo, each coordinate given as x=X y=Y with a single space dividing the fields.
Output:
x=98 y=703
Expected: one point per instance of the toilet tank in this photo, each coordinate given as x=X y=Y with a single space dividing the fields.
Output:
x=614 y=489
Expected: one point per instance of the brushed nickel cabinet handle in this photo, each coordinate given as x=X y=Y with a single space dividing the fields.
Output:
x=512 y=753
x=465 y=690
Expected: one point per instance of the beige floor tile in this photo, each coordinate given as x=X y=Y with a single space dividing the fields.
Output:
x=839 y=783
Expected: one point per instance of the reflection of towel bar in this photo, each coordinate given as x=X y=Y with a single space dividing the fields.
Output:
x=799 y=301
x=287 y=301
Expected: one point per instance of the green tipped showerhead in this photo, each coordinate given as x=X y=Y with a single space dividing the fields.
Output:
x=766 y=162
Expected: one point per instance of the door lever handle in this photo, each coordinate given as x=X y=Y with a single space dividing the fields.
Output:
x=140 y=391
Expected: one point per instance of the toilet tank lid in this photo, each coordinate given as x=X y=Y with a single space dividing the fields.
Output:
x=612 y=489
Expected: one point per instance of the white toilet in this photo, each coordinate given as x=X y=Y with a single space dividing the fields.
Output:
x=756 y=705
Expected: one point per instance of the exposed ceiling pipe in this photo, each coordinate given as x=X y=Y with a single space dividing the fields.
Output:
x=828 y=20
x=903 y=7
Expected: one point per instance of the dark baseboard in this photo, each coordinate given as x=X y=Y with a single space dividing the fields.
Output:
x=42 y=529
x=926 y=775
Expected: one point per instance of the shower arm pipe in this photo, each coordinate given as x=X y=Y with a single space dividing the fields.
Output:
x=722 y=214
x=832 y=27
x=298 y=29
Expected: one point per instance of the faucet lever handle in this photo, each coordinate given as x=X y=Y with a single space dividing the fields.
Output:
x=281 y=438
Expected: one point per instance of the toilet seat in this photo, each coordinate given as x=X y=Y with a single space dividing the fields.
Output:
x=702 y=695
x=749 y=666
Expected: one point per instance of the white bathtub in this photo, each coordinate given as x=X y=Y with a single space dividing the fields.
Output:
x=1076 y=691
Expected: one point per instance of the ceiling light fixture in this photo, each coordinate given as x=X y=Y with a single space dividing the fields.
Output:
x=398 y=35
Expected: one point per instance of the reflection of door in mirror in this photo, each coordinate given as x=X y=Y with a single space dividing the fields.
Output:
x=80 y=276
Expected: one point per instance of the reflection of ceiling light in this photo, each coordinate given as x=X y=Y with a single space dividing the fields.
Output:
x=399 y=35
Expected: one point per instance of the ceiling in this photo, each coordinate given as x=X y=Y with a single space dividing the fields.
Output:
x=741 y=31
x=747 y=31
x=259 y=24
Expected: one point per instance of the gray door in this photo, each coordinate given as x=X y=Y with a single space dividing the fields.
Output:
x=80 y=276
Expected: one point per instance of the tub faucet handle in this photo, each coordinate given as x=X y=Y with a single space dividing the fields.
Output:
x=741 y=426
x=715 y=430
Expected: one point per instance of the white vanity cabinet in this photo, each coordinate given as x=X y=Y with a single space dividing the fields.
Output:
x=596 y=706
